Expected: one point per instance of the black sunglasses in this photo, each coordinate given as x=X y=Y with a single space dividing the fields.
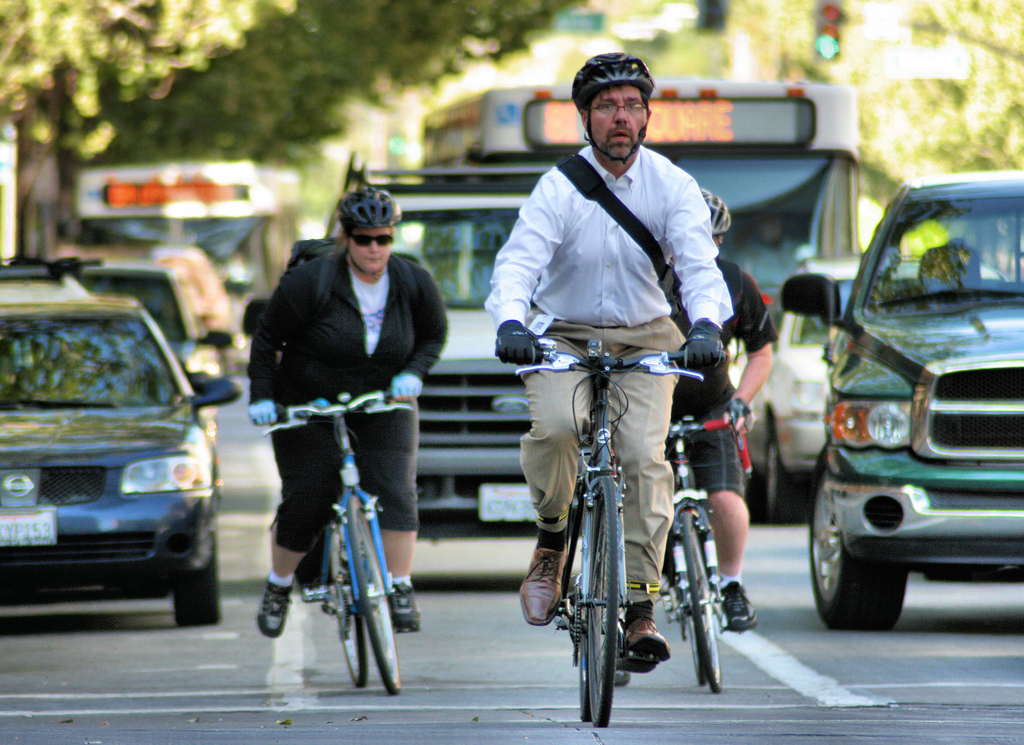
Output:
x=365 y=240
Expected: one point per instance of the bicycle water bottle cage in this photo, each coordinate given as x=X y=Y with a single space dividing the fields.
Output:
x=594 y=350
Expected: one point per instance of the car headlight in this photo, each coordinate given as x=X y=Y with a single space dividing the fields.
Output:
x=175 y=473
x=808 y=397
x=865 y=423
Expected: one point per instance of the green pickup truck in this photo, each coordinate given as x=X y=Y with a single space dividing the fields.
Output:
x=923 y=464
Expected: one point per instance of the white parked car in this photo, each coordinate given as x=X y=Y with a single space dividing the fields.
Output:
x=790 y=430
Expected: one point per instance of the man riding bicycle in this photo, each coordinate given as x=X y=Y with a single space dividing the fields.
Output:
x=713 y=455
x=571 y=273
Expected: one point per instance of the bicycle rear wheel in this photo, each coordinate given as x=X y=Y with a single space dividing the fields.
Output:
x=600 y=643
x=371 y=596
x=350 y=626
x=701 y=619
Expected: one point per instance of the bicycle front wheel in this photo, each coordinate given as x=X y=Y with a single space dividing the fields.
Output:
x=601 y=600
x=350 y=626
x=701 y=619
x=371 y=596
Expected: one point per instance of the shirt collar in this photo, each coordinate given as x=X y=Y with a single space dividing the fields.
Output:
x=626 y=178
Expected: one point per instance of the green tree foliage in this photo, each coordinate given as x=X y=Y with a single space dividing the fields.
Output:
x=280 y=94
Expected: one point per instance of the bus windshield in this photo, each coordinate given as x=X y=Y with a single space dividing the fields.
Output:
x=773 y=203
x=458 y=246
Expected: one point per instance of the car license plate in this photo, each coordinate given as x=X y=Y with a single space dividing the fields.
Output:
x=510 y=502
x=28 y=527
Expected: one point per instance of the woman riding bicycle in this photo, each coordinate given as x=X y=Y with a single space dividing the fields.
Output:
x=568 y=263
x=380 y=325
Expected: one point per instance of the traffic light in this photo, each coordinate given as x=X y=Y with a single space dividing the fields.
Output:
x=828 y=17
x=711 y=14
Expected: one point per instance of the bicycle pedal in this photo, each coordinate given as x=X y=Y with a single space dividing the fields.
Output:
x=635 y=663
x=316 y=593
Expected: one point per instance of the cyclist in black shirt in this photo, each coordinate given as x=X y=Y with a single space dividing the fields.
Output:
x=713 y=455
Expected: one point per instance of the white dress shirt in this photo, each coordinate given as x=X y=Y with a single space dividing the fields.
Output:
x=567 y=256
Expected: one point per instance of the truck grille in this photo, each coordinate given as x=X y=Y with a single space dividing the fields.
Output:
x=973 y=413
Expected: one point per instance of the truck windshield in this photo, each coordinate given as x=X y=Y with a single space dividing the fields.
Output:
x=949 y=252
x=458 y=246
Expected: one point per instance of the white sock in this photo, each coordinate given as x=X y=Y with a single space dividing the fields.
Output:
x=276 y=579
x=726 y=579
x=406 y=580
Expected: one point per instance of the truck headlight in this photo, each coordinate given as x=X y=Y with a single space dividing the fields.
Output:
x=176 y=473
x=865 y=423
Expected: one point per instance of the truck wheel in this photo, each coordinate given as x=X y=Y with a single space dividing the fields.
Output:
x=784 y=499
x=197 y=596
x=850 y=594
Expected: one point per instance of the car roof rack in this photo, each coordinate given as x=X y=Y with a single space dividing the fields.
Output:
x=24 y=267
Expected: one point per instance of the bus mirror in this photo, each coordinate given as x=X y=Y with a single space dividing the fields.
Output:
x=812 y=295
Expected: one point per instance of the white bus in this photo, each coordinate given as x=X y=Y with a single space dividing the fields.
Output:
x=242 y=215
x=782 y=156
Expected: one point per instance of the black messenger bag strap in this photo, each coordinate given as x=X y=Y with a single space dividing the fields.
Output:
x=592 y=186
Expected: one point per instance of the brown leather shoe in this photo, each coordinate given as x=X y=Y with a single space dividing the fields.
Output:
x=541 y=591
x=645 y=647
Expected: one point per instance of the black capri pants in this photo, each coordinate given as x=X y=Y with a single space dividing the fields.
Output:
x=308 y=461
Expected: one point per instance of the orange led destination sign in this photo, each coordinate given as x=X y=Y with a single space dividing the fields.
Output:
x=698 y=121
x=125 y=194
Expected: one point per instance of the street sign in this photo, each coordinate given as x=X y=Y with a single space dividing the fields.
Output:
x=906 y=62
x=579 y=22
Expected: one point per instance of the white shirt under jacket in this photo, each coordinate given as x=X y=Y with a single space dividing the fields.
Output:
x=567 y=256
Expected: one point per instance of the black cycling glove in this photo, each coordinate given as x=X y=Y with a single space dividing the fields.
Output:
x=516 y=344
x=703 y=345
x=738 y=409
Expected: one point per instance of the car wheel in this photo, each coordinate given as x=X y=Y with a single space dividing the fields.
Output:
x=849 y=593
x=197 y=596
x=784 y=499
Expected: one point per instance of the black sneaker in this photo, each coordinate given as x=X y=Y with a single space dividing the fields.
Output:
x=405 y=616
x=273 y=610
x=739 y=613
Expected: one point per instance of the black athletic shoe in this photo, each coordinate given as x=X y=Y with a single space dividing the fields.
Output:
x=273 y=610
x=739 y=613
x=405 y=616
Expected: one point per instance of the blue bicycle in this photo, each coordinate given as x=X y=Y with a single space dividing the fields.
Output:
x=354 y=585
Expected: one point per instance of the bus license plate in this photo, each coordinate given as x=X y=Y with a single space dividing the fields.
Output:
x=506 y=502
x=28 y=528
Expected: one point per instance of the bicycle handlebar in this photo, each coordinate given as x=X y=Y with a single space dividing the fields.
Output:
x=374 y=402
x=655 y=364
x=681 y=429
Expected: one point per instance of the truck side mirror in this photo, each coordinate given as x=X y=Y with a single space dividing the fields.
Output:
x=812 y=295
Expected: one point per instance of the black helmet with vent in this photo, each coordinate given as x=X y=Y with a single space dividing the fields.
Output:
x=368 y=208
x=606 y=70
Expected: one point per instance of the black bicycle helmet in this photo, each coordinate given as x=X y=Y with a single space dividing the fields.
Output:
x=368 y=208
x=721 y=220
x=606 y=70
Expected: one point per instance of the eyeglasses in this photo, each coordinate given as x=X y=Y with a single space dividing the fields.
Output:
x=362 y=239
x=610 y=109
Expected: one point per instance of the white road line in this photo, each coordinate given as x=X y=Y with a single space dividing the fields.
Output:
x=285 y=678
x=788 y=670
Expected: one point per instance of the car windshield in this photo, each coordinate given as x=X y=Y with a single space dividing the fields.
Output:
x=950 y=252
x=458 y=247
x=81 y=362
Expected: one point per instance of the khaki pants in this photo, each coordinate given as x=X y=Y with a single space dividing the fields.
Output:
x=560 y=407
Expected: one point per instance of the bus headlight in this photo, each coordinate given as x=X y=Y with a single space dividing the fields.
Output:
x=864 y=423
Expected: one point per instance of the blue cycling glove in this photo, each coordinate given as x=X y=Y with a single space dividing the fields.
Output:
x=406 y=385
x=263 y=412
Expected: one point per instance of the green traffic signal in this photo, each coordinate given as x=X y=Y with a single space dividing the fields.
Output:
x=827 y=46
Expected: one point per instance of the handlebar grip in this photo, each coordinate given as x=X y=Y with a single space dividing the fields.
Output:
x=741 y=445
x=716 y=425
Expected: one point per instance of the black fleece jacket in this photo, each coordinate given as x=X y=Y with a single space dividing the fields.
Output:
x=323 y=349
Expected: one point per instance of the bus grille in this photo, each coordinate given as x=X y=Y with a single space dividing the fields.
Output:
x=472 y=408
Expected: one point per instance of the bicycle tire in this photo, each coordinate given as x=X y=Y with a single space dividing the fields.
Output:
x=601 y=630
x=571 y=589
x=701 y=618
x=351 y=630
x=372 y=597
